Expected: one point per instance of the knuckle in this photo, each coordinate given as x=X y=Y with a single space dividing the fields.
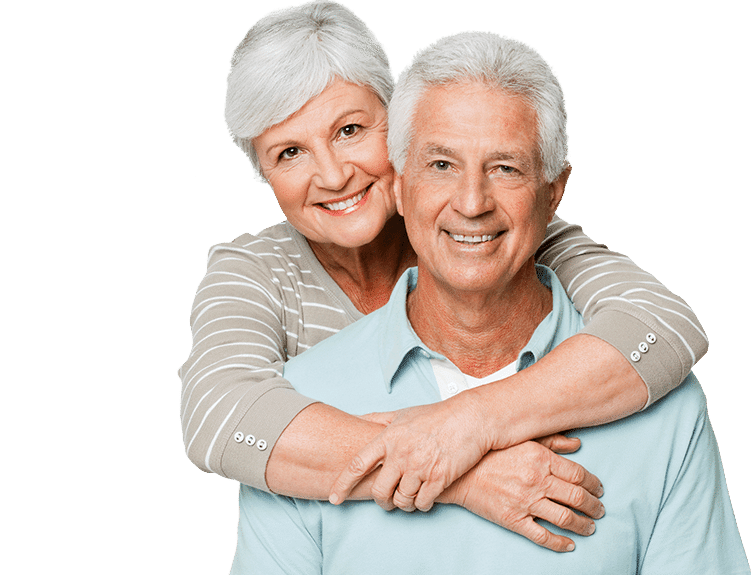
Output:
x=380 y=493
x=357 y=466
x=579 y=475
x=566 y=518
x=541 y=537
x=529 y=476
x=578 y=497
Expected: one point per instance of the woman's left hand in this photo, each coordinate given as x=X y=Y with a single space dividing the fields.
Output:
x=423 y=450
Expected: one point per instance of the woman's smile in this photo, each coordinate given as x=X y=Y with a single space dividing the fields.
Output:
x=346 y=205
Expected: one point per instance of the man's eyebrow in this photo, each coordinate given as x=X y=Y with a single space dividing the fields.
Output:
x=503 y=156
x=437 y=150
x=522 y=159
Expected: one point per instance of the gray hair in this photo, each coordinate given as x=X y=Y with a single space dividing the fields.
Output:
x=291 y=56
x=498 y=62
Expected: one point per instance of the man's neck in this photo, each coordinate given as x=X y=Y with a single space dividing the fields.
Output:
x=480 y=332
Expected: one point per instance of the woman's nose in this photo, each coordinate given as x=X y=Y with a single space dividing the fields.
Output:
x=332 y=172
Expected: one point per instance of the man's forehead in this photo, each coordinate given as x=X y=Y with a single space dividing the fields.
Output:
x=453 y=118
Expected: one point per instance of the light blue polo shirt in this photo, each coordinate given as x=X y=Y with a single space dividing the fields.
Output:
x=668 y=510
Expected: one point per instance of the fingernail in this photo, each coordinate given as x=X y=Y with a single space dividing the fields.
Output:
x=601 y=512
x=591 y=528
x=600 y=491
x=570 y=547
x=334 y=499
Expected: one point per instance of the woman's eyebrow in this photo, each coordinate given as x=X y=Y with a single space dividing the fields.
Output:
x=293 y=143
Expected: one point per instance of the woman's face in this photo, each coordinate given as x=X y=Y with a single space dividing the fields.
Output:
x=328 y=166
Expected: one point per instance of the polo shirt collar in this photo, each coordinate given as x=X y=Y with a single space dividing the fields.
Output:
x=398 y=341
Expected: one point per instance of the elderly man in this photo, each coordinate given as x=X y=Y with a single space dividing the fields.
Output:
x=477 y=136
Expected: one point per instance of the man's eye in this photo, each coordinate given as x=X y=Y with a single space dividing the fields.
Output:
x=441 y=165
x=507 y=169
x=349 y=130
x=289 y=153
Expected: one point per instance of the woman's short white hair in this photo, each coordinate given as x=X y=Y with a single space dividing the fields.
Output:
x=498 y=62
x=291 y=56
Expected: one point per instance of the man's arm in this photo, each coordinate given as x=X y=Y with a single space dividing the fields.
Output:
x=273 y=537
x=695 y=531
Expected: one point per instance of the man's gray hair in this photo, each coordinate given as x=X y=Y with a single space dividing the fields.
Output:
x=498 y=62
x=291 y=56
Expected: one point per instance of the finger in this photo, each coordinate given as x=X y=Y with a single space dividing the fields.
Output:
x=361 y=465
x=429 y=492
x=537 y=534
x=575 y=497
x=563 y=517
x=404 y=496
x=574 y=473
x=560 y=443
x=404 y=502
x=384 y=486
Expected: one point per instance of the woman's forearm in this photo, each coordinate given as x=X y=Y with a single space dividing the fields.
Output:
x=319 y=442
x=581 y=383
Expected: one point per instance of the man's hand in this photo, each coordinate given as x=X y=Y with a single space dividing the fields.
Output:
x=422 y=451
x=515 y=486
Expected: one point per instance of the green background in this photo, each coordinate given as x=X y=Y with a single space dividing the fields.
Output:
x=118 y=176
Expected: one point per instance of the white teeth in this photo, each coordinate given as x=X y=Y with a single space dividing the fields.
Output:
x=472 y=239
x=339 y=206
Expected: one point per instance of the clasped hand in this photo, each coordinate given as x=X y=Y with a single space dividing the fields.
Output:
x=442 y=452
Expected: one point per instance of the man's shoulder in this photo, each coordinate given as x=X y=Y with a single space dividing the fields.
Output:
x=673 y=419
x=685 y=403
x=348 y=349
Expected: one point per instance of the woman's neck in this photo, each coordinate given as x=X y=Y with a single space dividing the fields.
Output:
x=367 y=274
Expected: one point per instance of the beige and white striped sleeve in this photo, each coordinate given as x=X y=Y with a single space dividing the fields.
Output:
x=233 y=376
x=627 y=307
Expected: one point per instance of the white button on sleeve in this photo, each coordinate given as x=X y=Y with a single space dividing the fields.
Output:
x=239 y=437
x=643 y=347
x=261 y=444
x=250 y=439
x=651 y=338
x=635 y=356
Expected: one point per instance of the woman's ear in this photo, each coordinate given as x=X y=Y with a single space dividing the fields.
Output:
x=398 y=193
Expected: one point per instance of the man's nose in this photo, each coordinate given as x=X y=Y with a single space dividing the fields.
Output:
x=473 y=197
x=332 y=172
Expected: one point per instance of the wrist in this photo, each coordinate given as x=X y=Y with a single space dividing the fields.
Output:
x=480 y=407
x=456 y=493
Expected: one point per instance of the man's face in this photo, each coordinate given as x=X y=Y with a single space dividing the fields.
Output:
x=472 y=193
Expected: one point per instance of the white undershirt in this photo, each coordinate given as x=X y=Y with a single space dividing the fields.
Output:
x=452 y=381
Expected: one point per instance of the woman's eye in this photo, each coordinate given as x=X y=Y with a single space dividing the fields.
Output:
x=349 y=130
x=289 y=153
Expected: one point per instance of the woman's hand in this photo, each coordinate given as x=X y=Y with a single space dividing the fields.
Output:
x=422 y=451
x=515 y=486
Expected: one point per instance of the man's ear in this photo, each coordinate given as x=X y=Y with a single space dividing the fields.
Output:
x=398 y=193
x=556 y=189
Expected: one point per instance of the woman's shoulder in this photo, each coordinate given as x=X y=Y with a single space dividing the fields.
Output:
x=274 y=246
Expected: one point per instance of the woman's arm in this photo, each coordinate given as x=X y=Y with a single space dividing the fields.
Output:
x=232 y=389
x=232 y=380
x=583 y=382
x=622 y=304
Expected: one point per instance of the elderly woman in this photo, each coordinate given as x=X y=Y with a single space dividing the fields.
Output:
x=307 y=101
